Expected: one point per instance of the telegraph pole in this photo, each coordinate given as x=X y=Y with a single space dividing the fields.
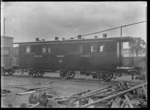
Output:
x=120 y=48
x=146 y=20
x=3 y=19
x=146 y=32
x=4 y=26
x=119 y=27
x=121 y=31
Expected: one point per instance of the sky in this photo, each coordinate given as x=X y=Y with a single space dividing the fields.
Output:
x=26 y=21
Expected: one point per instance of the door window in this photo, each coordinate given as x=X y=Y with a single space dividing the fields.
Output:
x=49 y=50
x=28 y=49
x=44 y=50
x=101 y=48
x=94 y=48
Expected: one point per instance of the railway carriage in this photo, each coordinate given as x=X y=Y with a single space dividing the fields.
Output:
x=101 y=57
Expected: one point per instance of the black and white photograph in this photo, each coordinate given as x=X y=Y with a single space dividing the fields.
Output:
x=71 y=54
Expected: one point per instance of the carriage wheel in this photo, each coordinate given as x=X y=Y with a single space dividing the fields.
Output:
x=36 y=73
x=32 y=73
x=115 y=76
x=39 y=73
x=66 y=75
x=63 y=75
x=11 y=72
x=71 y=74
x=132 y=73
x=107 y=76
x=111 y=76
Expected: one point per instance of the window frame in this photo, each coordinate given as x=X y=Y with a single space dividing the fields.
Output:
x=49 y=50
x=81 y=49
x=45 y=49
x=28 y=47
x=101 y=48
x=94 y=48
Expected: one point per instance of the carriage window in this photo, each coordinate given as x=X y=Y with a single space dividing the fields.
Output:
x=101 y=49
x=28 y=49
x=94 y=48
x=44 y=50
x=49 y=50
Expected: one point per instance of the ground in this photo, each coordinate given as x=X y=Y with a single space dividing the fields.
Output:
x=59 y=87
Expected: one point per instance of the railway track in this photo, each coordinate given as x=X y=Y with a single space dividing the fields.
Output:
x=57 y=78
x=17 y=83
x=76 y=79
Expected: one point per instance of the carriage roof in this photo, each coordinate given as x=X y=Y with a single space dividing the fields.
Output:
x=118 y=39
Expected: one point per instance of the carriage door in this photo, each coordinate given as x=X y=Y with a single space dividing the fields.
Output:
x=127 y=57
x=38 y=57
x=60 y=56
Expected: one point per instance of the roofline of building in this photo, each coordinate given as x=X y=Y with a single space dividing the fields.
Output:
x=7 y=37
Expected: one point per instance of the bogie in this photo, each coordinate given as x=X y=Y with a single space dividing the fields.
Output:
x=67 y=74
x=35 y=73
x=9 y=71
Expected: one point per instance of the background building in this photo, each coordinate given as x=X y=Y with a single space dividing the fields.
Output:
x=8 y=60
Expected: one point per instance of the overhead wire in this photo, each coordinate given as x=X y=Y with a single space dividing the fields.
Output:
x=110 y=29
